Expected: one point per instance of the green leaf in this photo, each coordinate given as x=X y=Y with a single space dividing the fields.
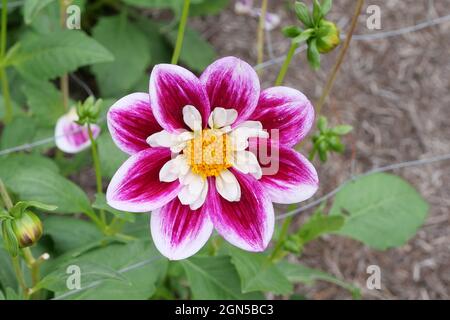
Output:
x=70 y=233
x=214 y=278
x=208 y=7
x=139 y=263
x=292 y=31
x=342 y=130
x=10 y=241
x=302 y=12
x=111 y=157
x=139 y=228
x=90 y=272
x=322 y=124
x=45 y=102
x=129 y=45
x=32 y=8
x=100 y=203
x=11 y=294
x=318 y=225
x=317 y=12
x=258 y=274
x=196 y=53
x=20 y=131
x=159 y=47
x=44 y=185
x=13 y=163
x=47 y=20
x=20 y=207
x=298 y=273
x=51 y=55
x=336 y=144
x=7 y=275
x=2 y=296
x=313 y=54
x=326 y=7
x=15 y=107
x=75 y=163
x=305 y=35
x=383 y=210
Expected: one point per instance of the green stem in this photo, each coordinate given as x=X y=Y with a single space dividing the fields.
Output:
x=64 y=81
x=261 y=27
x=4 y=28
x=5 y=196
x=279 y=245
x=32 y=265
x=3 y=75
x=98 y=173
x=285 y=65
x=100 y=224
x=339 y=60
x=19 y=275
x=6 y=96
x=181 y=30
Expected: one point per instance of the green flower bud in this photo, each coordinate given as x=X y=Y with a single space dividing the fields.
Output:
x=293 y=244
x=27 y=229
x=88 y=111
x=327 y=36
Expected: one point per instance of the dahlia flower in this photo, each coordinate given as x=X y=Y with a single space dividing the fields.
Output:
x=193 y=162
x=71 y=137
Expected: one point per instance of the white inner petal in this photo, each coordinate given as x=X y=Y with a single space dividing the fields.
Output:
x=191 y=192
x=200 y=200
x=246 y=162
x=172 y=169
x=176 y=142
x=228 y=186
x=192 y=118
x=239 y=136
x=221 y=118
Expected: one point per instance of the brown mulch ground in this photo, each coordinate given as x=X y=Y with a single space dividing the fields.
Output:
x=395 y=92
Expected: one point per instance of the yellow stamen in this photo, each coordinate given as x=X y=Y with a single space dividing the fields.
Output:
x=209 y=153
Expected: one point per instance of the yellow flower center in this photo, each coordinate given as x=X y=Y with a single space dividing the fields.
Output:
x=209 y=153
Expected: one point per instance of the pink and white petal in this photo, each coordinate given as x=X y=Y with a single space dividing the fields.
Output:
x=295 y=180
x=171 y=89
x=232 y=84
x=136 y=186
x=70 y=137
x=247 y=223
x=179 y=232
x=131 y=121
x=286 y=110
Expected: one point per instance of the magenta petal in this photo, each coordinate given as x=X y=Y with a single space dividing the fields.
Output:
x=232 y=84
x=131 y=121
x=171 y=88
x=70 y=137
x=136 y=187
x=247 y=223
x=291 y=179
x=287 y=110
x=179 y=232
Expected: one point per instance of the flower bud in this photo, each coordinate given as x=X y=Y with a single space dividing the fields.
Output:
x=88 y=111
x=327 y=36
x=27 y=228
